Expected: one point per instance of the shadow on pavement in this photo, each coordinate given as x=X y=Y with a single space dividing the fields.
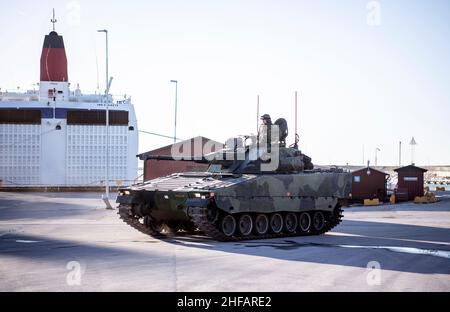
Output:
x=358 y=243
x=39 y=206
x=16 y=209
x=52 y=249
x=395 y=231
x=364 y=242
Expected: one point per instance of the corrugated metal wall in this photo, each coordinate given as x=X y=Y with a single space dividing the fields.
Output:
x=20 y=154
x=159 y=168
x=86 y=154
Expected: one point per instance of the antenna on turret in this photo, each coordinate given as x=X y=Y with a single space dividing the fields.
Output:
x=296 y=129
x=53 y=20
x=257 y=113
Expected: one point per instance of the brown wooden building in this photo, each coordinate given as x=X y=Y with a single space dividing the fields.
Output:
x=189 y=148
x=368 y=183
x=410 y=180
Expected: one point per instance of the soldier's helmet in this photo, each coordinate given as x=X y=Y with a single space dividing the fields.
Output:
x=266 y=119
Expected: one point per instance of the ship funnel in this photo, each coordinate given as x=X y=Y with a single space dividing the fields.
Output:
x=53 y=59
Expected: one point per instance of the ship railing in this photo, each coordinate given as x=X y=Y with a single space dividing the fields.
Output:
x=18 y=91
x=18 y=95
x=5 y=183
x=95 y=97
x=74 y=96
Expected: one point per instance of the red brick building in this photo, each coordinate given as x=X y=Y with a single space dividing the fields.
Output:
x=189 y=148
x=368 y=183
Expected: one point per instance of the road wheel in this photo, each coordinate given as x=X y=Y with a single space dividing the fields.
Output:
x=304 y=223
x=261 y=224
x=189 y=227
x=154 y=225
x=228 y=225
x=276 y=223
x=173 y=227
x=245 y=225
x=318 y=221
x=212 y=214
x=290 y=222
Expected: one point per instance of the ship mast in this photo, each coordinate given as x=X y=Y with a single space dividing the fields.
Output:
x=53 y=20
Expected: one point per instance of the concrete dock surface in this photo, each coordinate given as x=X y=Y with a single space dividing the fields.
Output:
x=69 y=242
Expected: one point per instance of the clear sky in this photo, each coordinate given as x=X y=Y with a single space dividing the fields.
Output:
x=365 y=77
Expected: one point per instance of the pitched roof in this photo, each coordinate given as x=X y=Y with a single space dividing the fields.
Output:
x=142 y=156
x=371 y=169
x=410 y=167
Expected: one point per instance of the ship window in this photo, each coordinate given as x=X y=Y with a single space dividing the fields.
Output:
x=131 y=128
x=58 y=127
x=20 y=116
x=357 y=179
x=96 y=117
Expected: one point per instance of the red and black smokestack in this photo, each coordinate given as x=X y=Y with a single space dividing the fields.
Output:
x=53 y=59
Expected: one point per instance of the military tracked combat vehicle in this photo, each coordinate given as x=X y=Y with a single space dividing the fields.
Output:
x=250 y=191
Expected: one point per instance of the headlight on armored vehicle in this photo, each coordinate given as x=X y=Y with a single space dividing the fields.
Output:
x=201 y=195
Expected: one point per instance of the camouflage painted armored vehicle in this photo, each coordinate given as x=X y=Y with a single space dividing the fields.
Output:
x=248 y=192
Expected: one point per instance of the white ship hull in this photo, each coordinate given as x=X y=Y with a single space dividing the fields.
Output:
x=57 y=137
x=55 y=152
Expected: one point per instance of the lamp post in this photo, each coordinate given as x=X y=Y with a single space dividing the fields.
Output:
x=376 y=158
x=176 y=99
x=413 y=144
x=107 y=86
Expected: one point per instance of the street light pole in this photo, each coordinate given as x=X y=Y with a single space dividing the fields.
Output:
x=107 y=86
x=413 y=144
x=376 y=158
x=176 y=99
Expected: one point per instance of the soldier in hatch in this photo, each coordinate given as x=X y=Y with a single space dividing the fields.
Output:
x=264 y=131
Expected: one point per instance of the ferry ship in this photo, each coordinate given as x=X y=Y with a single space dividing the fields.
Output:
x=56 y=136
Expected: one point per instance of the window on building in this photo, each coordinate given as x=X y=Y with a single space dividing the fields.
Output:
x=357 y=179
x=96 y=117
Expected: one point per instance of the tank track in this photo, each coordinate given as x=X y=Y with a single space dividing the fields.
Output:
x=127 y=216
x=200 y=219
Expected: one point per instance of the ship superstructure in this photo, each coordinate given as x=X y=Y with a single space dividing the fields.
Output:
x=56 y=136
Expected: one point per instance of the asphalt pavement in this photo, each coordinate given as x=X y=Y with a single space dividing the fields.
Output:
x=69 y=242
